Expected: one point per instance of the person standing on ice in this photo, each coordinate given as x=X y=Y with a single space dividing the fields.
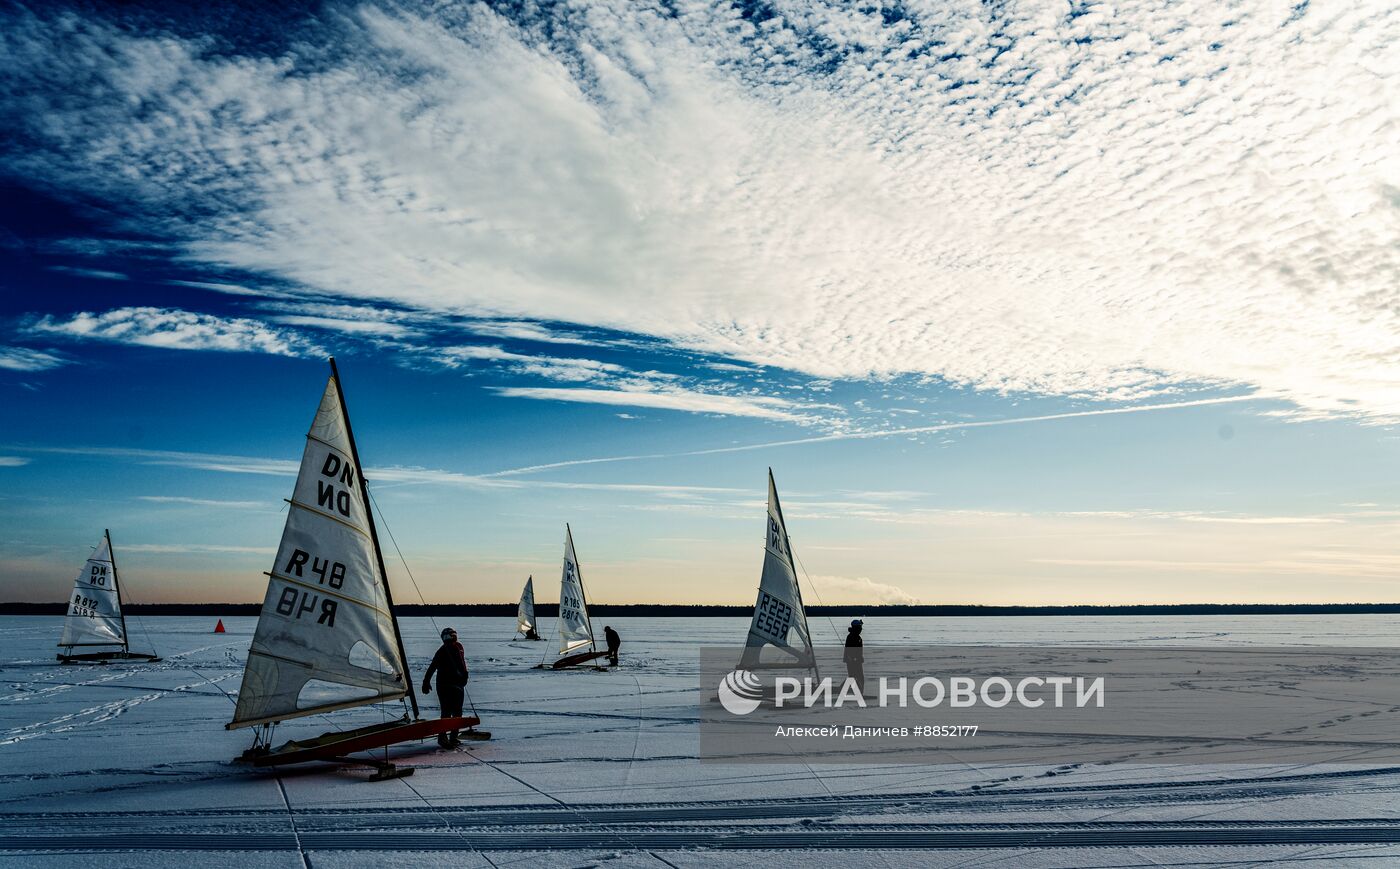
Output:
x=614 y=642
x=855 y=655
x=450 y=663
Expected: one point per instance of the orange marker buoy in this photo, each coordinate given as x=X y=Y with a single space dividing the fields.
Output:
x=219 y=628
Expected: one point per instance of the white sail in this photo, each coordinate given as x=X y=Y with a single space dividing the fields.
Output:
x=95 y=609
x=575 y=630
x=779 y=618
x=525 y=613
x=325 y=637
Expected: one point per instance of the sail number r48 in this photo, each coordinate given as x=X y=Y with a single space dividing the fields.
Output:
x=297 y=603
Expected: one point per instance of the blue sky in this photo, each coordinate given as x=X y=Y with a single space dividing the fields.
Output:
x=1053 y=304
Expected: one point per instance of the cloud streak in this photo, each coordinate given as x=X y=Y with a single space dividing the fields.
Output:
x=884 y=433
x=668 y=398
x=25 y=359
x=174 y=329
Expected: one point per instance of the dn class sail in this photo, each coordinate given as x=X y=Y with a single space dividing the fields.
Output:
x=525 y=613
x=95 y=619
x=576 y=643
x=327 y=638
x=779 y=619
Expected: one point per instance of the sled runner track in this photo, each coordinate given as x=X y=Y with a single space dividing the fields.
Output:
x=1008 y=799
x=764 y=838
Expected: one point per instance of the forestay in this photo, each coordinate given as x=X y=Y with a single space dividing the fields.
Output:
x=95 y=609
x=779 y=618
x=575 y=630
x=525 y=613
x=326 y=616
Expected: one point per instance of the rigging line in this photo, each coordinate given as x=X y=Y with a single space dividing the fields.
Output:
x=431 y=620
x=448 y=824
x=399 y=552
x=140 y=620
x=567 y=807
x=813 y=587
x=558 y=623
x=215 y=685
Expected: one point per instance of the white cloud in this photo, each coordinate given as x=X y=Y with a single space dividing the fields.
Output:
x=178 y=330
x=870 y=435
x=202 y=502
x=230 y=289
x=548 y=367
x=365 y=327
x=859 y=590
x=1103 y=202
x=13 y=461
x=520 y=330
x=99 y=274
x=196 y=548
x=24 y=359
x=668 y=398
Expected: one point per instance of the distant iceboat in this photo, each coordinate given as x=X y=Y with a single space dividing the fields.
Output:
x=575 y=628
x=779 y=618
x=327 y=638
x=95 y=619
x=525 y=613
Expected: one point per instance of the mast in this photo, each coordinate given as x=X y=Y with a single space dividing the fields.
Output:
x=792 y=562
x=592 y=638
x=373 y=536
x=116 y=586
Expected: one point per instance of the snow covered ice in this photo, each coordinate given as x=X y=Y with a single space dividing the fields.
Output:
x=129 y=764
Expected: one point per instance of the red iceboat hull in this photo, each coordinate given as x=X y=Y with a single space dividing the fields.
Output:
x=335 y=746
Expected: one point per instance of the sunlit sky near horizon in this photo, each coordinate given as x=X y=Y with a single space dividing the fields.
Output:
x=1037 y=303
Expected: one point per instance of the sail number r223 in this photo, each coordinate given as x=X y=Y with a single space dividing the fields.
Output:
x=774 y=616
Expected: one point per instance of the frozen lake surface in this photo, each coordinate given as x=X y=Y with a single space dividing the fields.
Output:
x=129 y=764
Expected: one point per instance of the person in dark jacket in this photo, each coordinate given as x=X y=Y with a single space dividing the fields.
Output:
x=614 y=642
x=855 y=655
x=450 y=664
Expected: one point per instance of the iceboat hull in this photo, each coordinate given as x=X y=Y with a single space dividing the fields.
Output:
x=105 y=657
x=337 y=745
x=575 y=660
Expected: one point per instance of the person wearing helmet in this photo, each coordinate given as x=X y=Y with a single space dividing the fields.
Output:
x=450 y=664
x=855 y=655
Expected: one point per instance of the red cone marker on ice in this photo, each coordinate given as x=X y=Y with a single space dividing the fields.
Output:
x=219 y=628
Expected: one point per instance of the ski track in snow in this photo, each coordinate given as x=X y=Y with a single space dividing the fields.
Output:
x=93 y=715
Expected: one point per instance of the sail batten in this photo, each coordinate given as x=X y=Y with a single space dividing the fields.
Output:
x=779 y=619
x=575 y=628
x=326 y=592
x=94 y=615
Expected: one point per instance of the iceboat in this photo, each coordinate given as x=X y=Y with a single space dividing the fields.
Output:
x=327 y=638
x=576 y=641
x=95 y=622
